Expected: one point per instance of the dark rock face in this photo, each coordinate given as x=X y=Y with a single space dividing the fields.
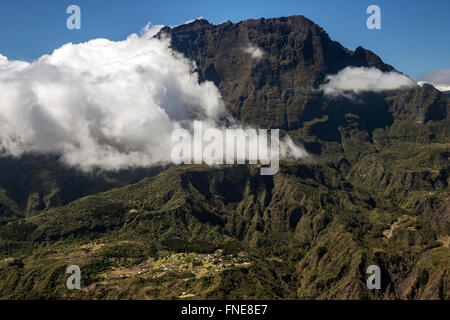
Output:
x=277 y=89
x=421 y=104
x=274 y=90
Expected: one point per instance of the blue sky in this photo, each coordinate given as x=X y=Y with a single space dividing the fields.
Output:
x=414 y=37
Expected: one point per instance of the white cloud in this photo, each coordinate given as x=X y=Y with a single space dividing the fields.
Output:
x=353 y=80
x=290 y=150
x=255 y=52
x=192 y=20
x=440 y=79
x=103 y=103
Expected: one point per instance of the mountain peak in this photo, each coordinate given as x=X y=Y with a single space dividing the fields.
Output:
x=269 y=63
x=363 y=58
x=294 y=37
x=196 y=23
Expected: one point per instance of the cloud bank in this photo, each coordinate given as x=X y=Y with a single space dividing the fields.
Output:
x=352 y=80
x=103 y=104
x=440 y=79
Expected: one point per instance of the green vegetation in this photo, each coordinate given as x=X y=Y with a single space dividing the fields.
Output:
x=306 y=232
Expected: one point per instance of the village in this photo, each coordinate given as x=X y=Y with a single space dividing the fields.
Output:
x=171 y=270
x=188 y=265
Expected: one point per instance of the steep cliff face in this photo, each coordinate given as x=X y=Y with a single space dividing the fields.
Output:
x=268 y=72
x=266 y=68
